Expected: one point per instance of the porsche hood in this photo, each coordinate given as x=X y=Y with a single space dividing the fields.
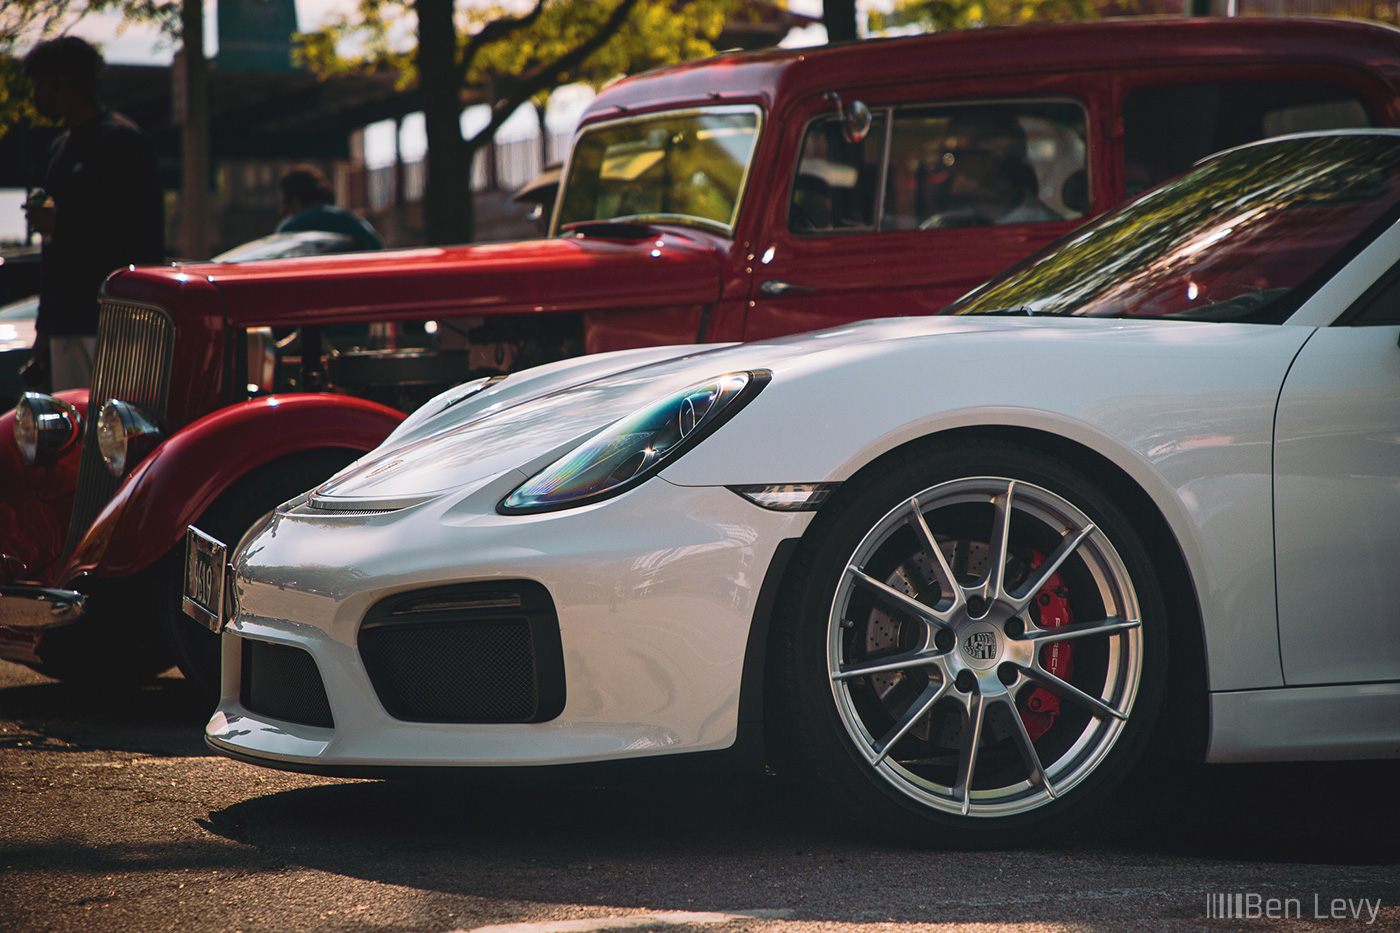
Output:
x=530 y=417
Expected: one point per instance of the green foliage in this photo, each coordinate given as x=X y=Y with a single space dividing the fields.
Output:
x=940 y=15
x=656 y=32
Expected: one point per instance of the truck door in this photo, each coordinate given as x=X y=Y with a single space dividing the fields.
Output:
x=941 y=193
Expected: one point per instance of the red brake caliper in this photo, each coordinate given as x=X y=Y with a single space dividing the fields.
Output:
x=1042 y=706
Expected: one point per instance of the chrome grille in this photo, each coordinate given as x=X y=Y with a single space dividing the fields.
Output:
x=134 y=347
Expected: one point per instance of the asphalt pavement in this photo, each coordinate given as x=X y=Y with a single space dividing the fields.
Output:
x=115 y=817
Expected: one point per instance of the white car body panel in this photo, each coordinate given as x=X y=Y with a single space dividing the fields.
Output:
x=1306 y=724
x=1185 y=409
x=1338 y=494
x=654 y=618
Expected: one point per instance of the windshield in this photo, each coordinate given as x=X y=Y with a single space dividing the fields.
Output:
x=1246 y=237
x=681 y=167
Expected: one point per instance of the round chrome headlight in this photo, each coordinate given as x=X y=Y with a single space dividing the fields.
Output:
x=125 y=434
x=45 y=427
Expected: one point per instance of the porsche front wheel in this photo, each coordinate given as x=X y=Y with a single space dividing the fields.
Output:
x=975 y=647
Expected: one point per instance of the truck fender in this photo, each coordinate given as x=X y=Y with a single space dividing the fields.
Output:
x=185 y=474
x=36 y=501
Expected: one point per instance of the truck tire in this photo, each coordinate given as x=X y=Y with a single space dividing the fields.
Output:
x=195 y=649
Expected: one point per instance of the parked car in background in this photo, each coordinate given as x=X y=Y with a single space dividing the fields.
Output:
x=289 y=246
x=740 y=198
x=958 y=571
x=16 y=340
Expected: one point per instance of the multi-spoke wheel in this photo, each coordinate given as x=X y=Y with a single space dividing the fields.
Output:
x=976 y=640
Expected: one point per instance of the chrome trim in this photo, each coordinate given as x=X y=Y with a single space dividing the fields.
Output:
x=137 y=432
x=135 y=351
x=365 y=503
x=39 y=607
x=50 y=417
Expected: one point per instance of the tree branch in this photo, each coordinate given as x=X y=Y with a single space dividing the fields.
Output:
x=493 y=31
x=543 y=76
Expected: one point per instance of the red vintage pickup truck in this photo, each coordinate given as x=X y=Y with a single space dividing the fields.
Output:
x=739 y=198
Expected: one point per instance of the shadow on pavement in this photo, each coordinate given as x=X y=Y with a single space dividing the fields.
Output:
x=1329 y=813
x=721 y=847
x=165 y=717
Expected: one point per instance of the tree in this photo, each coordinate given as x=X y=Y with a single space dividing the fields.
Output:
x=839 y=18
x=506 y=58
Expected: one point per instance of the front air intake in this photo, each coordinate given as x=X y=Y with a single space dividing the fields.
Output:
x=472 y=653
x=283 y=682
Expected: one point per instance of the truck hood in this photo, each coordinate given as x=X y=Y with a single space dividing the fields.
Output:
x=560 y=274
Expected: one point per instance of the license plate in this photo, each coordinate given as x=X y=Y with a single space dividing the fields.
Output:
x=206 y=560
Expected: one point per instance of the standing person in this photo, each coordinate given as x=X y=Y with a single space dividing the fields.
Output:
x=101 y=207
x=308 y=203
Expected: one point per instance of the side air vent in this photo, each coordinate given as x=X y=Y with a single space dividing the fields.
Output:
x=283 y=682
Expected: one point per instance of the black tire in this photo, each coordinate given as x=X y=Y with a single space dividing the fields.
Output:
x=195 y=648
x=942 y=721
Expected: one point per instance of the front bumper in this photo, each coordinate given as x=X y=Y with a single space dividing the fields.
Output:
x=654 y=593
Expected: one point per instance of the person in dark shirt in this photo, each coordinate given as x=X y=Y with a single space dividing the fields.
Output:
x=101 y=207
x=308 y=203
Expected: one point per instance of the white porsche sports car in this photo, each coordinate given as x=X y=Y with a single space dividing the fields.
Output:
x=959 y=570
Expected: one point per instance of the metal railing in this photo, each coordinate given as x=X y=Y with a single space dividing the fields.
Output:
x=517 y=161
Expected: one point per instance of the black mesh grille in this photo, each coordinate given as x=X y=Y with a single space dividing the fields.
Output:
x=282 y=682
x=454 y=673
x=134 y=347
x=470 y=654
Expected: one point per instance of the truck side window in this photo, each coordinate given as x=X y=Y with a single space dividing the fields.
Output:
x=1168 y=128
x=976 y=165
x=836 y=182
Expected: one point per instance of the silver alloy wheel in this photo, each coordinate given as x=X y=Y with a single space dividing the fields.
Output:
x=931 y=665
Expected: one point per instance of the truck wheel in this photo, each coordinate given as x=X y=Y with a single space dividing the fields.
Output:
x=195 y=648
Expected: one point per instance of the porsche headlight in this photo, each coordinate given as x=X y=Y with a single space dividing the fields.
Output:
x=45 y=427
x=626 y=452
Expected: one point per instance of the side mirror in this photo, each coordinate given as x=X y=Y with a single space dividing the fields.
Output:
x=855 y=118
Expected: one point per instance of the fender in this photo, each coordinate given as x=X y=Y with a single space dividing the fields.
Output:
x=36 y=502
x=184 y=475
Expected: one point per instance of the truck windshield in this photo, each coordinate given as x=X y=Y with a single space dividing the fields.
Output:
x=685 y=167
x=1248 y=236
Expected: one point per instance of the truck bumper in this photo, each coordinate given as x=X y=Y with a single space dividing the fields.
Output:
x=36 y=607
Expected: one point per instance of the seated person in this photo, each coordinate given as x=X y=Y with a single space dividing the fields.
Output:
x=988 y=179
x=308 y=203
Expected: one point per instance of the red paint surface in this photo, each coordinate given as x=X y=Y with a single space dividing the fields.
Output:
x=183 y=476
x=36 y=502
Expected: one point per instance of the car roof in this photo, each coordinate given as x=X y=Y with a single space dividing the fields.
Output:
x=777 y=75
x=1310 y=134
